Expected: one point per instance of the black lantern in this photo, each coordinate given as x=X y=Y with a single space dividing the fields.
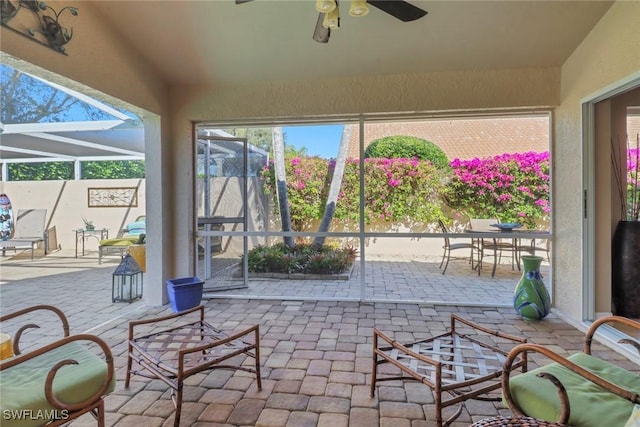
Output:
x=127 y=281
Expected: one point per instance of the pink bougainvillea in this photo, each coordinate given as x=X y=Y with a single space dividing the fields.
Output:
x=511 y=187
x=399 y=190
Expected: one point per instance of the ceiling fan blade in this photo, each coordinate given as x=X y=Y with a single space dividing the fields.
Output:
x=321 y=34
x=402 y=10
x=242 y=1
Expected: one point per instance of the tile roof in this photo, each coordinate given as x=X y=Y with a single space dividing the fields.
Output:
x=466 y=138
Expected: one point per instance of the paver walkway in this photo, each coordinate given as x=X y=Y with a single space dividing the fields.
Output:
x=316 y=354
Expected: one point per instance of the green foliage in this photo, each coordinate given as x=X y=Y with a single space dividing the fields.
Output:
x=50 y=171
x=113 y=169
x=406 y=147
x=401 y=191
x=301 y=258
x=46 y=171
x=259 y=137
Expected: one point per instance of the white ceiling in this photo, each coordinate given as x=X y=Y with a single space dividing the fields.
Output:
x=218 y=41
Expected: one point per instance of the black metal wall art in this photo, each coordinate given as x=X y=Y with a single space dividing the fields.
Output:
x=47 y=29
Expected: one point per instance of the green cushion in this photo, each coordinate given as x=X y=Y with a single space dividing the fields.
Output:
x=591 y=405
x=22 y=386
x=120 y=241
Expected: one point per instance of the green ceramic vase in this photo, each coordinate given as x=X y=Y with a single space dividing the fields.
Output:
x=531 y=299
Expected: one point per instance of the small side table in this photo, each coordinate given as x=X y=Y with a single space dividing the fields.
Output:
x=83 y=233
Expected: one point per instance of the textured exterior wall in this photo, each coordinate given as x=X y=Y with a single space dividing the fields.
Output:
x=66 y=204
x=608 y=54
x=464 y=90
x=99 y=61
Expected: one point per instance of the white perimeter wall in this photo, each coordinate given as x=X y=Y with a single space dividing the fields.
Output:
x=66 y=204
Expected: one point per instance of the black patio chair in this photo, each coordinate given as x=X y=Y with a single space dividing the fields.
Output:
x=449 y=247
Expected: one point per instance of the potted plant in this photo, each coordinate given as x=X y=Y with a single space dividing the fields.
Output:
x=625 y=268
x=88 y=225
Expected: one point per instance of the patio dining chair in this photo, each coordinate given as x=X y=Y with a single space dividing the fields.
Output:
x=449 y=247
x=532 y=246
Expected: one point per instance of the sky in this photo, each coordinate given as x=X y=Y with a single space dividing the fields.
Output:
x=319 y=140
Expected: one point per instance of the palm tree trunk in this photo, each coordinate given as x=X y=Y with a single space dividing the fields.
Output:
x=281 y=183
x=334 y=189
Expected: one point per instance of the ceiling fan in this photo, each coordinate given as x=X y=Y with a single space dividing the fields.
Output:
x=329 y=17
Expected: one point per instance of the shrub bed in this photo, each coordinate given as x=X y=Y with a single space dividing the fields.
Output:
x=301 y=258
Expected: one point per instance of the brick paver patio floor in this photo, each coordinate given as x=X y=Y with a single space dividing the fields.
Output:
x=316 y=355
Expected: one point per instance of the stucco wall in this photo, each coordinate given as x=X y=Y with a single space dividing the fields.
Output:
x=99 y=62
x=391 y=93
x=66 y=203
x=608 y=54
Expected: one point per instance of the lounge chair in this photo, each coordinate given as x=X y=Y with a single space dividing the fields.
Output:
x=134 y=233
x=29 y=231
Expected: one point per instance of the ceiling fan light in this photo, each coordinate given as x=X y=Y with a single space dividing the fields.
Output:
x=325 y=6
x=332 y=19
x=358 y=8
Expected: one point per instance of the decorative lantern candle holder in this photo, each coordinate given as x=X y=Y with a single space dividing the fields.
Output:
x=127 y=281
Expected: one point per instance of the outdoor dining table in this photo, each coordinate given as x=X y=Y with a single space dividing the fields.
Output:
x=500 y=231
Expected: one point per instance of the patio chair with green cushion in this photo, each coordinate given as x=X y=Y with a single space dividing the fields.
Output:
x=55 y=383
x=581 y=390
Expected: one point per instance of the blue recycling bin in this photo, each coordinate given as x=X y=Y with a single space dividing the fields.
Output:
x=184 y=293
